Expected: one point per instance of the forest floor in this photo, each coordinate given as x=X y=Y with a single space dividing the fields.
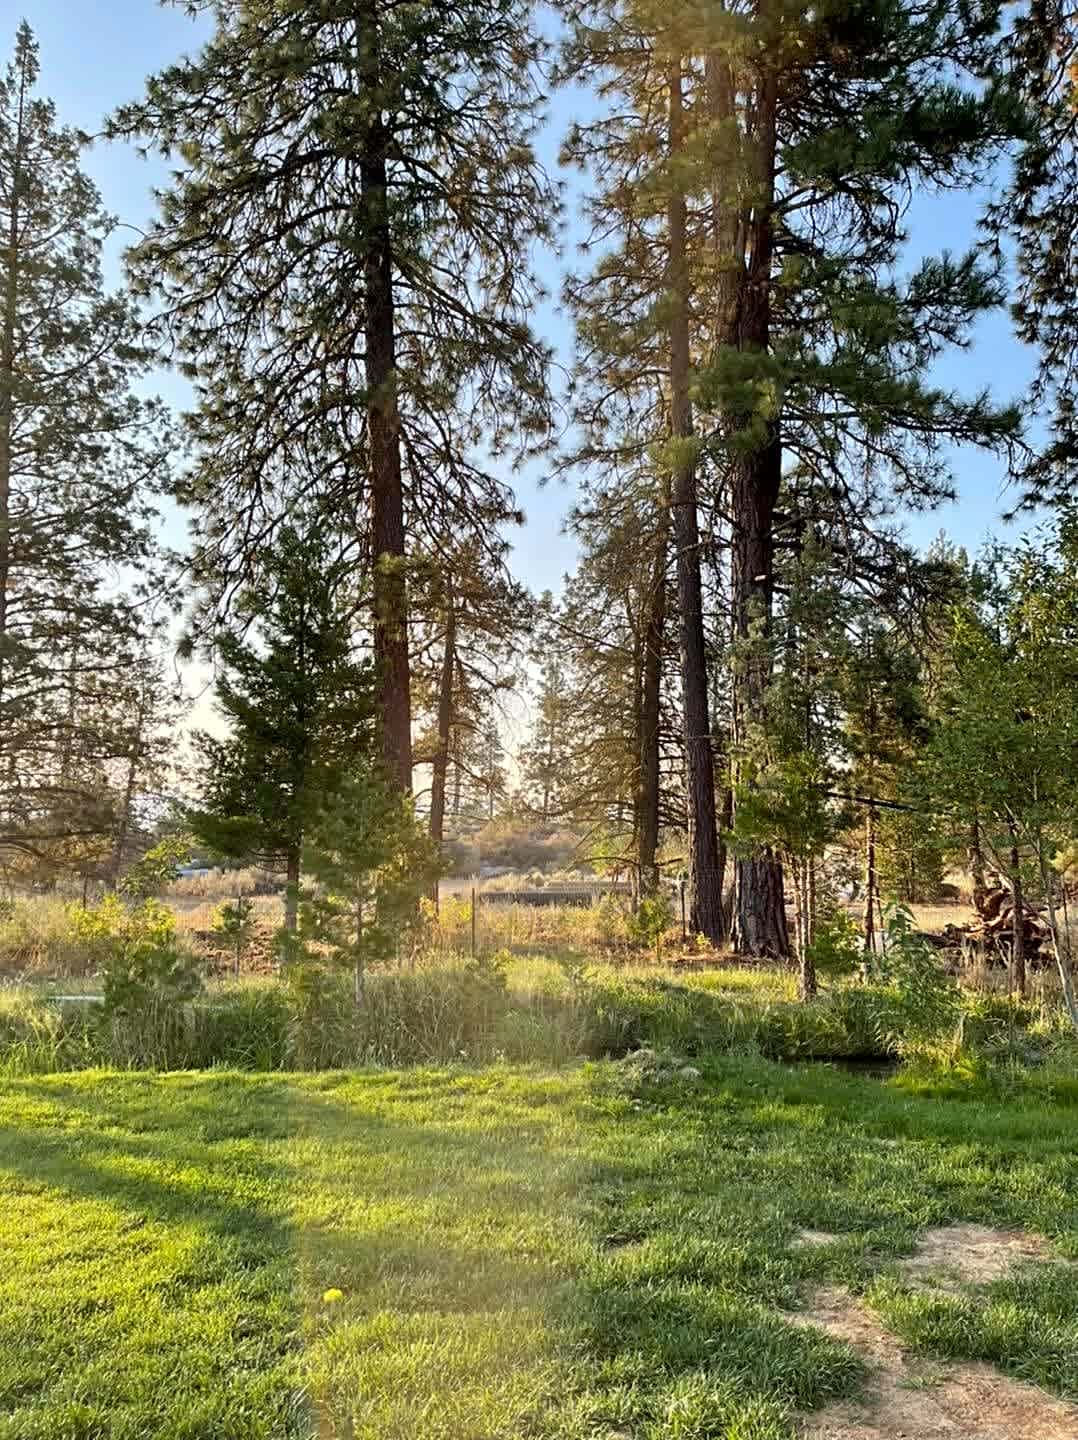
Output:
x=749 y=1253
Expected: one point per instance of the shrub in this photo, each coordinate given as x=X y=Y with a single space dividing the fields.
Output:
x=927 y=999
x=835 y=949
x=653 y=918
x=234 y=925
x=143 y=965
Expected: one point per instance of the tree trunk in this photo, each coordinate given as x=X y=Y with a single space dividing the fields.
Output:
x=975 y=860
x=550 y=755
x=869 y=923
x=1018 y=922
x=383 y=426
x=7 y=376
x=807 y=986
x=1063 y=964
x=445 y=727
x=291 y=894
x=647 y=804
x=124 y=826
x=122 y=829
x=760 y=922
x=706 y=915
x=726 y=820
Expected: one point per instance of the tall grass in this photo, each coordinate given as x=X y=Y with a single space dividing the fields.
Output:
x=459 y=1011
x=601 y=928
x=36 y=938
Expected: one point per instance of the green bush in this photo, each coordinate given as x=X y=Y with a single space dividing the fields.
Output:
x=836 y=947
x=143 y=966
x=652 y=919
x=234 y=925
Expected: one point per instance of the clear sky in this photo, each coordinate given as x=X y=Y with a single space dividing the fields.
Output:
x=94 y=56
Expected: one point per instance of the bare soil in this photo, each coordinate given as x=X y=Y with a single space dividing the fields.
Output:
x=956 y=1255
x=911 y=1397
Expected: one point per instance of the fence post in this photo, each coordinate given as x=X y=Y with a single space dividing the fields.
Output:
x=473 y=922
x=684 y=927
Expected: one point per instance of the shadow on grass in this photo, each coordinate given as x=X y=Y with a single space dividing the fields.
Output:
x=517 y=1254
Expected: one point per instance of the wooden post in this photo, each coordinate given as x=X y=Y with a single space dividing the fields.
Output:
x=684 y=928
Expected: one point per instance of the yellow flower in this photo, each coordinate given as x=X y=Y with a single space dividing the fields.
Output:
x=332 y=1296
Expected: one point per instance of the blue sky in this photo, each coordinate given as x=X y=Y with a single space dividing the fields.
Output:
x=96 y=56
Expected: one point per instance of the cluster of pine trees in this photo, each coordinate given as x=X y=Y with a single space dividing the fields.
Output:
x=749 y=657
x=85 y=701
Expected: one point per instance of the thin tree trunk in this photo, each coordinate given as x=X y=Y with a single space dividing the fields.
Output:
x=1062 y=965
x=811 y=896
x=1018 y=922
x=975 y=859
x=869 y=923
x=7 y=376
x=291 y=894
x=699 y=759
x=550 y=755
x=383 y=426
x=647 y=804
x=445 y=727
x=807 y=968
x=124 y=827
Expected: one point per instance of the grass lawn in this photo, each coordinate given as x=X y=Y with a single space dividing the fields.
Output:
x=519 y=1253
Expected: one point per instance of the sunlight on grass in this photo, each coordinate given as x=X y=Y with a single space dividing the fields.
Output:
x=517 y=1252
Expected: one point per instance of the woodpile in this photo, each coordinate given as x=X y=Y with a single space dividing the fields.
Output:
x=994 y=925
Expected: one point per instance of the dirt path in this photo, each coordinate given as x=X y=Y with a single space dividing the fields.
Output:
x=911 y=1397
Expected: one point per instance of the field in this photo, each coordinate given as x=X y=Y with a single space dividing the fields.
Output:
x=594 y=1252
x=36 y=939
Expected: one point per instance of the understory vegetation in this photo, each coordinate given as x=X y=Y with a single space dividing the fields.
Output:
x=459 y=1010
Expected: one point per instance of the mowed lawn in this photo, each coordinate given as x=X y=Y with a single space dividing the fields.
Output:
x=518 y=1253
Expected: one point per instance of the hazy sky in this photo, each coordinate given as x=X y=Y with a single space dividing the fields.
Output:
x=93 y=56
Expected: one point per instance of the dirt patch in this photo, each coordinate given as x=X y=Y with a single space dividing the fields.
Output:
x=911 y=1398
x=955 y=1255
x=810 y=1239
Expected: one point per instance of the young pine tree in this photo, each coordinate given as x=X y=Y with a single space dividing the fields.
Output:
x=371 y=863
x=298 y=703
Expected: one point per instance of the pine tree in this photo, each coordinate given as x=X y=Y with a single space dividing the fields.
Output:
x=151 y=711
x=78 y=452
x=884 y=728
x=763 y=156
x=542 y=759
x=819 y=355
x=1037 y=215
x=635 y=326
x=609 y=737
x=371 y=863
x=471 y=620
x=299 y=704
x=343 y=264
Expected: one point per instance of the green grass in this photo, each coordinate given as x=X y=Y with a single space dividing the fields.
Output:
x=444 y=1012
x=561 y=1256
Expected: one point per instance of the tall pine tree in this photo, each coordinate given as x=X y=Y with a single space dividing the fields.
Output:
x=78 y=453
x=342 y=261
